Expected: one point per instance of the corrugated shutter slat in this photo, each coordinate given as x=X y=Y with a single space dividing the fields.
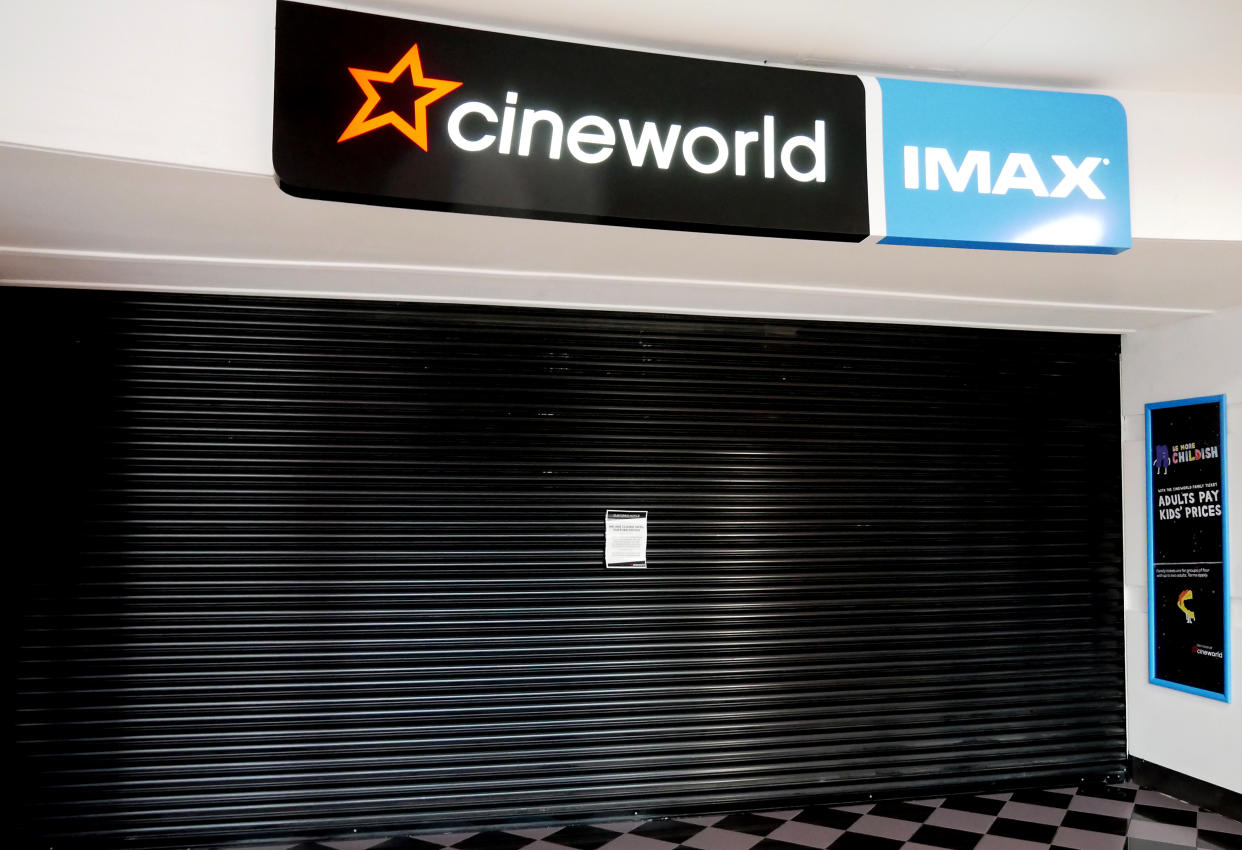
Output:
x=291 y=568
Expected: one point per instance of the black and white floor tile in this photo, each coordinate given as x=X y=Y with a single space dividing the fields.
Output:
x=1090 y=817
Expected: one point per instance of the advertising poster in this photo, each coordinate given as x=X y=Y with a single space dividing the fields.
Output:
x=1188 y=569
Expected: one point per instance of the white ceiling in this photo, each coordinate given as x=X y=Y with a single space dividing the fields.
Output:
x=1142 y=45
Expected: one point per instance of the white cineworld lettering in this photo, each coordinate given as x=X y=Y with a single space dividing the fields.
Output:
x=741 y=139
x=483 y=142
x=592 y=139
x=769 y=147
x=580 y=133
x=1018 y=172
x=506 y=127
x=531 y=117
x=816 y=146
x=649 y=140
x=717 y=140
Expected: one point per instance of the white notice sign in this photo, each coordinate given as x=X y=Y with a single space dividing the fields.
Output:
x=625 y=539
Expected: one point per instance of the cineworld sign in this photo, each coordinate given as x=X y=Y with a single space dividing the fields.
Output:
x=380 y=110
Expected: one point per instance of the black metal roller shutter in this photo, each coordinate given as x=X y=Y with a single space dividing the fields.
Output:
x=297 y=568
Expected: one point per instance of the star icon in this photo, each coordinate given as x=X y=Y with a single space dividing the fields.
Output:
x=364 y=122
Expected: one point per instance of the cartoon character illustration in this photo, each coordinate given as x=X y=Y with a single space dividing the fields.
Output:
x=1181 y=603
x=1162 y=460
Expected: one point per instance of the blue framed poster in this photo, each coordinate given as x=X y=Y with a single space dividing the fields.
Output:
x=1188 y=546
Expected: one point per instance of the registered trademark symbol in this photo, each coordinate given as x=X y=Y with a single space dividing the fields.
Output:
x=1106 y=162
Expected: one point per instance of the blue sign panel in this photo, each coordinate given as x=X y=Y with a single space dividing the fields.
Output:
x=982 y=167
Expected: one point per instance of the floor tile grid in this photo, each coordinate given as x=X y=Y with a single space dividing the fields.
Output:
x=1091 y=817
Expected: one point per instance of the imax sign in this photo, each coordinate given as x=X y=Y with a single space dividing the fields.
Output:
x=975 y=166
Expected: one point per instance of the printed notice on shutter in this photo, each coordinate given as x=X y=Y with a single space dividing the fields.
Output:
x=625 y=539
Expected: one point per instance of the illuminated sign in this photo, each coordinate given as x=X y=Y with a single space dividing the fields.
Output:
x=381 y=110
x=592 y=139
x=977 y=166
x=401 y=112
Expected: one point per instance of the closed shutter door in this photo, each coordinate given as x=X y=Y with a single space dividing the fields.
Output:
x=298 y=568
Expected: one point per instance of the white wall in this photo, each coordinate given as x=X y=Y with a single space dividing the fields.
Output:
x=1184 y=176
x=190 y=83
x=1193 y=735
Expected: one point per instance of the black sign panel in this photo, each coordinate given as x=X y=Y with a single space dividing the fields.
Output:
x=1188 y=590
x=383 y=110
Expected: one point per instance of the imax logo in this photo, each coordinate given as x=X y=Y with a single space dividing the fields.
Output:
x=1019 y=172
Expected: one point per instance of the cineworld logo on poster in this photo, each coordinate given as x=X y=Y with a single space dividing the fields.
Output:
x=477 y=127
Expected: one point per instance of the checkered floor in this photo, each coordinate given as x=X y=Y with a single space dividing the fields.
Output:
x=1092 y=817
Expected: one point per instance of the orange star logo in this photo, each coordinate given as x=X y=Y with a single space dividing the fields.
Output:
x=364 y=122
